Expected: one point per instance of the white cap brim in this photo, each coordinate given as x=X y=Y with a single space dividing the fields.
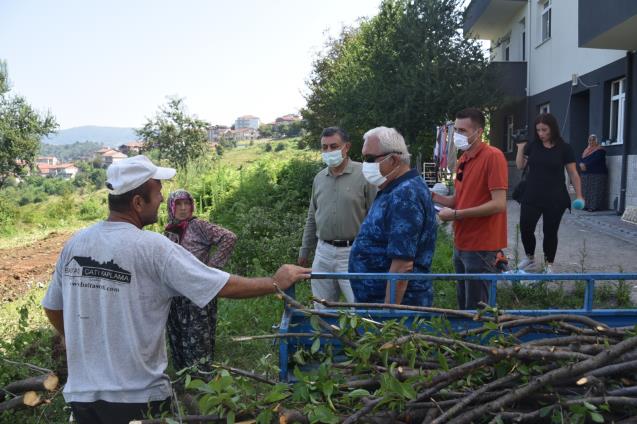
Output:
x=164 y=173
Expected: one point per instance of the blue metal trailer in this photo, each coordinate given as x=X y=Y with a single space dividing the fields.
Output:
x=295 y=321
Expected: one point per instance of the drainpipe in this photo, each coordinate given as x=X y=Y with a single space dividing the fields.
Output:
x=630 y=60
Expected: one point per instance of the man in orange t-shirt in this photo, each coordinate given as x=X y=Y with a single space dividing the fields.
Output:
x=478 y=207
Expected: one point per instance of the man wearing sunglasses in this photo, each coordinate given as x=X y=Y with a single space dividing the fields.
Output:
x=340 y=200
x=478 y=207
x=399 y=232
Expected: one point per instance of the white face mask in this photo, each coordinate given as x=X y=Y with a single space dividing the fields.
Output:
x=371 y=172
x=461 y=141
x=333 y=158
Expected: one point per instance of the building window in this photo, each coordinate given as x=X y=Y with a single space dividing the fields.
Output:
x=617 y=107
x=506 y=49
x=509 y=133
x=546 y=20
x=545 y=108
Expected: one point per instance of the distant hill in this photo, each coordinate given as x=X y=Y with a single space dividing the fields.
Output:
x=108 y=136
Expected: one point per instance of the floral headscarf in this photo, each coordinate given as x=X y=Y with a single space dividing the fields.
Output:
x=175 y=225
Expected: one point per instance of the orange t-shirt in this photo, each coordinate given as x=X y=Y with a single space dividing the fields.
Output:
x=483 y=171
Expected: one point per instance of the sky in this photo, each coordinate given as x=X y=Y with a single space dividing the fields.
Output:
x=113 y=63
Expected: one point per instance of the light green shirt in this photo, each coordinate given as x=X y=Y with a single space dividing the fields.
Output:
x=338 y=206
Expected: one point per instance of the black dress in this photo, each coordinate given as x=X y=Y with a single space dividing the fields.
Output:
x=545 y=181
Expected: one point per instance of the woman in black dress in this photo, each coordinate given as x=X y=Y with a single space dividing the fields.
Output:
x=545 y=195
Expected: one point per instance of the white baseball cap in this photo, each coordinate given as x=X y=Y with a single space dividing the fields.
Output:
x=130 y=173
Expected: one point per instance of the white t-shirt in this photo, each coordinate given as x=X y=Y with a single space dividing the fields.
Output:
x=114 y=283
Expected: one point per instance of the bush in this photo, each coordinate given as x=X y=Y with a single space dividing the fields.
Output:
x=279 y=147
x=268 y=147
x=92 y=209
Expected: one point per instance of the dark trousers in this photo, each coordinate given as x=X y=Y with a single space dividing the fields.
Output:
x=551 y=216
x=472 y=292
x=102 y=412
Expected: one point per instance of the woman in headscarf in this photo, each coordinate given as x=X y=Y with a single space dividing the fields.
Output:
x=592 y=166
x=191 y=330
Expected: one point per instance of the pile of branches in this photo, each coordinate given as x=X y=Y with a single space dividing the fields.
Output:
x=26 y=393
x=355 y=369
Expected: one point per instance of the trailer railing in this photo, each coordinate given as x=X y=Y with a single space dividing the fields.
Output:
x=612 y=317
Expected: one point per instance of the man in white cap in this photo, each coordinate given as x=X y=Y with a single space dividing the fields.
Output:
x=110 y=295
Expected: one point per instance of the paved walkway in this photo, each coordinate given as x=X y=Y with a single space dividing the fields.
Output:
x=589 y=241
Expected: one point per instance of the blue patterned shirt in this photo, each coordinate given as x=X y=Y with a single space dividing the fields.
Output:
x=401 y=224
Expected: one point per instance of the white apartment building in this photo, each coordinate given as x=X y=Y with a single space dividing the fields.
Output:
x=574 y=59
x=247 y=121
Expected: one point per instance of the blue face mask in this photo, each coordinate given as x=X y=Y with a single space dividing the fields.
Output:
x=333 y=158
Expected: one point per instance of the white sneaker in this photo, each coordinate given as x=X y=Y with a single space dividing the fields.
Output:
x=548 y=269
x=526 y=262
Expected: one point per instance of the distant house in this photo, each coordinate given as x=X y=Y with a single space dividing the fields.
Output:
x=132 y=148
x=112 y=156
x=247 y=121
x=107 y=156
x=47 y=160
x=66 y=171
x=286 y=119
x=241 y=134
x=216 y=132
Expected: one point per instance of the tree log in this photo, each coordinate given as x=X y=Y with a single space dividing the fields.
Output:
x=291 y=416
x=28 y=399
x=48 y=382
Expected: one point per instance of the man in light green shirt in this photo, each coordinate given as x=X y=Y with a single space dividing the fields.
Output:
x=340 y=200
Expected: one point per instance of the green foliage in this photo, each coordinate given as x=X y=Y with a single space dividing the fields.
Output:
x=279 y=147
x=268 y=147
x=26 y=338
x=178 y=137
x=70 y=152
x=21 y=129
x=409 y=67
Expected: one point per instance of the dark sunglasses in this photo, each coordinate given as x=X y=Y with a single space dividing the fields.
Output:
x=373 y=158
x=459 y=172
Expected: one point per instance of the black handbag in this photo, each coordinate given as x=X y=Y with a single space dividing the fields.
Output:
x=518 y=191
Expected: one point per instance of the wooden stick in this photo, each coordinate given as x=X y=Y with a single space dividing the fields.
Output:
x=294 y=303
x=258 y=377
x=26 y=364
x=28 y=399
x=560 y=374
x=442 y=311
x=279 y=336
x=200 y=419
x=448 y=414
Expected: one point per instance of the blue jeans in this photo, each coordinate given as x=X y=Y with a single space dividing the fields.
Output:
x=472 y=292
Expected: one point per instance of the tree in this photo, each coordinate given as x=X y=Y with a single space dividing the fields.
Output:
x=409 y=67
x=21 y=129
x=179 y=138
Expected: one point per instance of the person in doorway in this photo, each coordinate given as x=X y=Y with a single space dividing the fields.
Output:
x=191 y=329
x=594 y=175
x=399 y=233
x=477 y=207
x=110 y=296
x=545 y=195
x=341 y=198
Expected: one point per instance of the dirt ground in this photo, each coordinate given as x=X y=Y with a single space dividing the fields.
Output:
x=27 y=266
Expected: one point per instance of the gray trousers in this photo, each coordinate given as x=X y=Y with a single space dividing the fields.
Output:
x=328 y=258
x=471 y=292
